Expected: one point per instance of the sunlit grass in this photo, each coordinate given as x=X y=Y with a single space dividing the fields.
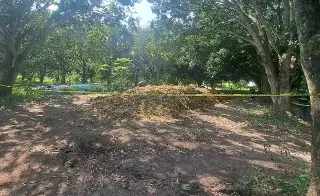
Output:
x=261 y=182
x=21 y=95
x=264 y=116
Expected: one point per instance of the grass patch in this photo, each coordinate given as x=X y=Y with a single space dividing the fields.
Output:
x=21 y=95
x=263 y=117
x=261 y=182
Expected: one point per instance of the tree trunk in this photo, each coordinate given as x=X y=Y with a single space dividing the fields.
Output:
x=57 y=77
x=158 y=75
x=7 y=79
x=84 y=73
x=262 y=83
x=212 y=85
x=41 y=78
x=278 y=84
x=271 y=76
x=42 y=74
x=23 y=76
x=284 y=81
x=63 y=76
x=199 y=82
x=308 y=26
x=8 y=74
x=109 y=79
x=136 y=77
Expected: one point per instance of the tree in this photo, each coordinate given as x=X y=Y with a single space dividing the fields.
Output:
x=121 y=73
x=267 y=25
x=26 y=23
x=23 y=25
x=231 y=61
x=269 y=34
x=140 y=53
x=308 y=26
x=91 y=48
x=157 y=57
x=40 y=62
x=194 y=53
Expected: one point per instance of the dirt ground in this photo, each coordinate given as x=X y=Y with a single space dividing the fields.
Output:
x=52 y=147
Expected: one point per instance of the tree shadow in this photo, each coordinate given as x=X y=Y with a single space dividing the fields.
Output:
x=53 y=148
x=277 y=130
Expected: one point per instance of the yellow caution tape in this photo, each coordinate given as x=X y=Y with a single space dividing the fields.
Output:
x=299 y=104
x=179 y=95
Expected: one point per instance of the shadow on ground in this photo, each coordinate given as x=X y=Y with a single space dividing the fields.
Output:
x=52 y=148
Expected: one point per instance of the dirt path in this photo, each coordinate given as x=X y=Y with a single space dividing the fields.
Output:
x=51 y=148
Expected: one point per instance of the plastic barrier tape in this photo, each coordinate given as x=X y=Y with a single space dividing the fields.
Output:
x=178 y=95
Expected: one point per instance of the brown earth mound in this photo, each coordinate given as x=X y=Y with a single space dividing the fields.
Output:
x=167 y=89
x=147 y=102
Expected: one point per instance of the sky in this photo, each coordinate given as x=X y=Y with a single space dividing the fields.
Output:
x=143 y=11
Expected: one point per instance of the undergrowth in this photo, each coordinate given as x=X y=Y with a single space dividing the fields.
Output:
x=21 y=95
x=291 y=180
x=263 y=117
x=261 y=182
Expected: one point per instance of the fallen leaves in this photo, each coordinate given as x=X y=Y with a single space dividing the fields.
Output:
x=148 y=102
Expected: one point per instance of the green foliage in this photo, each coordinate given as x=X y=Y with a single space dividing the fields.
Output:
x=261 y=182
x=104 y=72
x=169 y=79
x=21 y=95
x=232 y=87
x=187 y=47
x=121 y=74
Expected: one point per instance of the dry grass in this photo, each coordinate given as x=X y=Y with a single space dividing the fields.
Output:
x=148 y=102
x=167 y=89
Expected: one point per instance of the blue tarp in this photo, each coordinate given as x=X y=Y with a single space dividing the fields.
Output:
x=75 y=87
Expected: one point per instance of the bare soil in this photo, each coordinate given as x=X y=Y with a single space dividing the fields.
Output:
x=63 y=146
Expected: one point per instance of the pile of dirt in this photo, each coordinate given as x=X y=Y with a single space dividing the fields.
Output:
x=168 y=89
x=149 y=102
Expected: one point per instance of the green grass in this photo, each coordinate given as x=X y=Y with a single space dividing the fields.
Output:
x=261 y=182
x=21 y=95
x=264 y=117
x=291 y=180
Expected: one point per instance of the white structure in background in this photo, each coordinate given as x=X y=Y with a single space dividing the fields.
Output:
x=252 y=84
x=59 y=87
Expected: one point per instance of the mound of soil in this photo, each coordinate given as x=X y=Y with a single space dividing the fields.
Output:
x=167 y=89
x=148 y=102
